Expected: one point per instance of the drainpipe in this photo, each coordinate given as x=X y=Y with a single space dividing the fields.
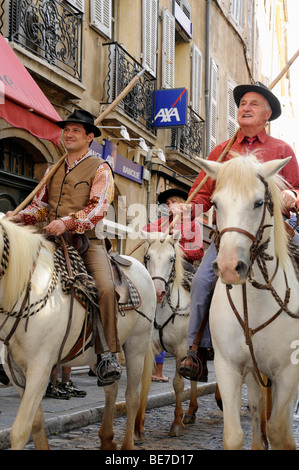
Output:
x=207 y=78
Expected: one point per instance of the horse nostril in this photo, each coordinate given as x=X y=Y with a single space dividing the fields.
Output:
x=242 y=268
x=215 y=267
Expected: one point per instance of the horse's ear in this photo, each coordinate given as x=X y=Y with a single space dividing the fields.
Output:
x=272 y=167
x=175 y=237
x=209 y=166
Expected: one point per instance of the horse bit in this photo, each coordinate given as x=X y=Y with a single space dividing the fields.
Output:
x=257 y=252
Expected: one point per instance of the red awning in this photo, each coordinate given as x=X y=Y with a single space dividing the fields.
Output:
x=24 y=105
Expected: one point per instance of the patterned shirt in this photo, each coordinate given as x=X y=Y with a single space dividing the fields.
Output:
x=101 y=196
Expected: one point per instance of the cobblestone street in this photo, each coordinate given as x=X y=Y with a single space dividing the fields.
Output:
x=204 y=434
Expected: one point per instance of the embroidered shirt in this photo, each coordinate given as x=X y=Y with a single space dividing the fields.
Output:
x=101 y=196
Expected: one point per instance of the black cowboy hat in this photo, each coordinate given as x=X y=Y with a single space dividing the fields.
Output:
x=81 y=117
x=258 y=87
x=162 y=198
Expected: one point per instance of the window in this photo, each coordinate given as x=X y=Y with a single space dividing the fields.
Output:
x=214 y=104
x=101 y=16
x=168 y=49
x=237 y=12
x=196 y=79
x=232 y=110
x=149 y=35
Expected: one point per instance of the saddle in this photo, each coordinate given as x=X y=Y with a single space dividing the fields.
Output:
x=76 y=281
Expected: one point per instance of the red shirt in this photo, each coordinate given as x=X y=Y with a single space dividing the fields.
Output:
x=191 y=239
x=267 y=147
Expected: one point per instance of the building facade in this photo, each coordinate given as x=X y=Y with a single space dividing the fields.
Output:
x=83 y=53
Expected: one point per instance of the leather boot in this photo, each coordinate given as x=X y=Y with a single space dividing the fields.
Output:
x=202 y=354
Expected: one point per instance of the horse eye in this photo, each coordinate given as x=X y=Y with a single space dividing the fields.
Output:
x=147 y=257
x=258 y=204
x=214 y=204
x=172 y=259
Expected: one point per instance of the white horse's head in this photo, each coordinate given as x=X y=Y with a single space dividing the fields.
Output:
x=240 y=202
x=162 y=257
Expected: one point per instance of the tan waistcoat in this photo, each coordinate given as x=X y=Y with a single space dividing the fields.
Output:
x=70 y=192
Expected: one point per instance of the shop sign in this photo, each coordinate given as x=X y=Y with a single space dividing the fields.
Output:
x=170 y=107
x=120 y=165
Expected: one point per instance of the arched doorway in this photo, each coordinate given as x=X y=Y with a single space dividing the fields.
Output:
x=22 y=164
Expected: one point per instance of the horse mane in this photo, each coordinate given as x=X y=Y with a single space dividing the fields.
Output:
x=241 y=175
x=24 y=245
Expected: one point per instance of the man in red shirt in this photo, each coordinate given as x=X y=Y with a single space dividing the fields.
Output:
x=256 y=106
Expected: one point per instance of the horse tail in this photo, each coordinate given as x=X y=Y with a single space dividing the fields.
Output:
x=149 y=361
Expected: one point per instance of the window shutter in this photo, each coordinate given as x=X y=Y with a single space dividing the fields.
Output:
x=79 y=4
x=232 y=115
x=196 y=79
x=149 y=34
x=168 y=49
x=214 y=104
x=101 y=16
x=185 y=6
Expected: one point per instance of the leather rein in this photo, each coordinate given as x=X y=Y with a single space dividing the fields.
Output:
x=256 y=252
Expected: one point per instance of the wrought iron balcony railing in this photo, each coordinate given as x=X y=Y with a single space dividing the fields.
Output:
x=138 y=103
x=189 y=140
x=49 y=29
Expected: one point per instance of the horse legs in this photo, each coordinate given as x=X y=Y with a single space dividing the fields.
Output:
x=177 y=427
x=255 y=402
x=190 y=415
x=106 y=433
x=280 y=425
x=30 y=417
x=230 y=384
x=39 y=432
x=135 y=361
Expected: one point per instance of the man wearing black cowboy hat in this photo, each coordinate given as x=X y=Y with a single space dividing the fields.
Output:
x=256 y=106
x=75 y=199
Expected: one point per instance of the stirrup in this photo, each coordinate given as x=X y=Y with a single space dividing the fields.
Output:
x=108 y=370
x=194 y=370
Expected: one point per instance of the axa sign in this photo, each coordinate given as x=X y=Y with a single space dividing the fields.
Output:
x=170 y=107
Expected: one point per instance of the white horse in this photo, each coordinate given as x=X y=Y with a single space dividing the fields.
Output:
x=254 y=317
x=33 y=348
x=164 y=263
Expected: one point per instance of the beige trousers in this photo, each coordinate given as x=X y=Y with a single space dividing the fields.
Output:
x=98 y=266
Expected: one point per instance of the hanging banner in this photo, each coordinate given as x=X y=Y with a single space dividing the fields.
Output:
x=170 y=107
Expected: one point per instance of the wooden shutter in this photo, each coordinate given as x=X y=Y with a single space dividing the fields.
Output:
x=101 y=16
x=79 y=4
x=168 y=49
x=214 y=105
x=149 y=34
x=232 y=110
x=196 y=79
